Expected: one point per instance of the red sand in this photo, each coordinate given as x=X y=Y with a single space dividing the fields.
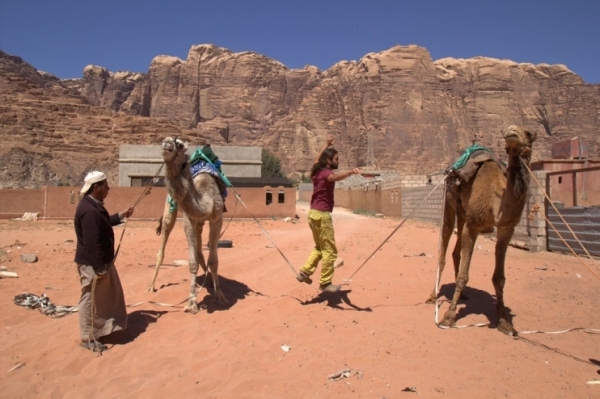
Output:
x=379 y=325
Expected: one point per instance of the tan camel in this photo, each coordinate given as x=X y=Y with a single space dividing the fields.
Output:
x=165 y=226
x=489 y=199
x=200 y=201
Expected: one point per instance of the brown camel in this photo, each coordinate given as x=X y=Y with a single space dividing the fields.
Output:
x=201 y=201
x=489 y=199
x=165 y=226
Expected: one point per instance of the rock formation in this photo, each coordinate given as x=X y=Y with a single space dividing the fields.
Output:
x=51 y=134
x=397 y=109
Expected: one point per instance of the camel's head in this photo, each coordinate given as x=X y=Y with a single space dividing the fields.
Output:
x=518 y=141
x=173 y=148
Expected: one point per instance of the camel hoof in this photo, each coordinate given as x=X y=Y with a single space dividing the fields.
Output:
x=150 y=289
x=220 y=299
x=191 y=307
x=449 y=319
x=432 y=300
x=448 y=322
x=506 y=328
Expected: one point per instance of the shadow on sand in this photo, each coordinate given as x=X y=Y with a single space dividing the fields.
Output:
x=137 y=323
x=334 y=300
x=233 y=290
x=478 y=302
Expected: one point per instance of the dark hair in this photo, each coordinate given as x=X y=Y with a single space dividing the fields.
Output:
x=329 y=153
x=91 y=189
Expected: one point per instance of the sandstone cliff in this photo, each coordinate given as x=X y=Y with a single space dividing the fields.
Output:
x=53 y=134
x=397 y=109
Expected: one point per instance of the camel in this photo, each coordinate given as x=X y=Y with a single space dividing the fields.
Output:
x=200 y=201
x=489 y=199
x=165 y=226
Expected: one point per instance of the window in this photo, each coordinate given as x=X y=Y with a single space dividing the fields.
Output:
x=559 y=179
x=269 y=198
x=281 y=197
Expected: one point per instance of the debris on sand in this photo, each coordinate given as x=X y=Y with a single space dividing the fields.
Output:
x=345 y=373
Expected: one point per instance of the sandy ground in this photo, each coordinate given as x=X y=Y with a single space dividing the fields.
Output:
x=378 y=326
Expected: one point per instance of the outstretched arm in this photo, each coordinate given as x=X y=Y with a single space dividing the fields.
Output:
x=342 y=175
x=330 y=142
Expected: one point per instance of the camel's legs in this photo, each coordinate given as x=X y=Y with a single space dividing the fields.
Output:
x=504 y=236
x=469 y=236
x=460 y=224
x=190 y=233
x=213 y=259
x=447 y=228
x=168 y=222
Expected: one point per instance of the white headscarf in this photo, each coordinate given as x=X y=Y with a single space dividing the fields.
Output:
x=91 y=178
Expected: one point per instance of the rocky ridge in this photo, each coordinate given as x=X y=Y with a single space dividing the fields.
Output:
x=54 y=135
x=397 y=109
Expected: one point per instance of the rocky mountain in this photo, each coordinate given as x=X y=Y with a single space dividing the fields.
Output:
x=397 y=109
x=52 y=134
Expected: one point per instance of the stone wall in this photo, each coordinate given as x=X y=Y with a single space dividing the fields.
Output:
x=61 y=202
x=415 y=207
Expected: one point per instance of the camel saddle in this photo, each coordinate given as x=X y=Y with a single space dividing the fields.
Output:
x=466 y=167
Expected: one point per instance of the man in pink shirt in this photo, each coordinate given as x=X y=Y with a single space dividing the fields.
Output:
x=319 y=216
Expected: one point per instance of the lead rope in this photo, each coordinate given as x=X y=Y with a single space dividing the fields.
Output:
x=228 y=183
x=566 y=224
x=395 y=230
x=267 y=234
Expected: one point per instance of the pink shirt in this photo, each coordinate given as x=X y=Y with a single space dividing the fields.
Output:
x=322 y=197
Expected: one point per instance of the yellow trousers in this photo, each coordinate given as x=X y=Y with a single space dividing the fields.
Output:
x=325 y=250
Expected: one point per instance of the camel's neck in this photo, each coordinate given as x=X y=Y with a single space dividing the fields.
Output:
x=179 y=181
x=182 y=189
x=517 y=177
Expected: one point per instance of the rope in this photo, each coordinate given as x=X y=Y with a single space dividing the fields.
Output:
x=395 y=230
x=566 y=224
x=43 y=304
x=144 y=193
x=237 y=196
x=267 y=234
x=556 y=350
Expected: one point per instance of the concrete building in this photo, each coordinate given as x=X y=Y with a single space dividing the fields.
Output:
x=138 y=163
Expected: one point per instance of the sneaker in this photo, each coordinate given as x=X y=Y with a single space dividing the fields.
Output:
x=330 y=288
x=304 y=278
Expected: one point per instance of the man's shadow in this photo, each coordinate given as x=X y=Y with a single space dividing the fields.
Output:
x=477 y=302
x=334 y=300
x=232 y=289
x=137 y=323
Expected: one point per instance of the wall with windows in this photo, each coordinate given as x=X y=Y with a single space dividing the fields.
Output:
x=61 y=202
x=139 y=163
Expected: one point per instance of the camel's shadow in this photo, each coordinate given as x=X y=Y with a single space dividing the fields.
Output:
x=232 y=289
x=479 y=302
x=137 y=323
x=334 y=300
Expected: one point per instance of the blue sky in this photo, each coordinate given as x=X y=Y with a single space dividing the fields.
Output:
x=62 y=37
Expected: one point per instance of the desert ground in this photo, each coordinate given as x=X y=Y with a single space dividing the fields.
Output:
x=379 y=326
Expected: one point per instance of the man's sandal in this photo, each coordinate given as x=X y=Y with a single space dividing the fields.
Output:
x=330 y=288
x=304 y=278
x=99 y=347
